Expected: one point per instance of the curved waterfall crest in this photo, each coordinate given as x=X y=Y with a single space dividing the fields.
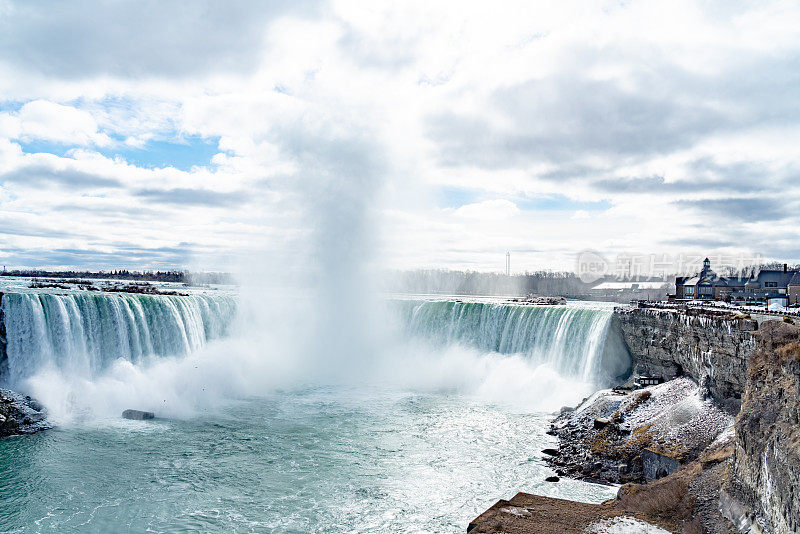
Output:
x=570 y=339
x=84 y=332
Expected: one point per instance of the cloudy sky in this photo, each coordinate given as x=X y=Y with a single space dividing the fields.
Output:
x=414 y=134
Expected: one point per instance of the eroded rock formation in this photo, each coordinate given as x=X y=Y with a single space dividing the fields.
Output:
x=763 y=491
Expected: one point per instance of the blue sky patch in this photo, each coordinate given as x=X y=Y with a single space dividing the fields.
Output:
x=559 y=203
x=182 y=154
x=455 y=197
x=11 y=106
x=38 y=146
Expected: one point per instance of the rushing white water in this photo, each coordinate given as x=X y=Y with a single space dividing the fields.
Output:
x=80 y=351
x=81 y=333
x=568 y=339
x=449 y=415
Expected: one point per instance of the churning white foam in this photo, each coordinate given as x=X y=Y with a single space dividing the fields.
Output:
x=264 y=355
x=513 y=380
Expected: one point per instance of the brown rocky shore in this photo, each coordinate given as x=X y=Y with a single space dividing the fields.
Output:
x=689 y=460
x=533 y=514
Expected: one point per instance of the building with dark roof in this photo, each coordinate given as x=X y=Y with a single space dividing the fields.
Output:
x=766 y=286
x=794 y=289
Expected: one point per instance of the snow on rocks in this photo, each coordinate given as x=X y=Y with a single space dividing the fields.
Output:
x=624 y=525
x=681 y=420
x=20 y=414
x=606 y=437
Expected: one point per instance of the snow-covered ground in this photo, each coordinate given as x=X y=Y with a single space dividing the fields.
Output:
x=678 y=414
x=750 y=308
x=624 y=525
x=675 y=412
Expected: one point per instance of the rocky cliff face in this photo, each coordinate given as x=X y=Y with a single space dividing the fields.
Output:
x=763 y=493
x=739 y=364
x=712 y=349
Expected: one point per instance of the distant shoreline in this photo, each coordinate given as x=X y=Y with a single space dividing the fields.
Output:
x=173 y=276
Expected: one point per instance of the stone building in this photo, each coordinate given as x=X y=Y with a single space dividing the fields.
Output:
x=767 y=286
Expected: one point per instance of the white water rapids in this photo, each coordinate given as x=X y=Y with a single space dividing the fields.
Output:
x=83 y=333
x=570 y=340
x=449 y=415
x=105 y=352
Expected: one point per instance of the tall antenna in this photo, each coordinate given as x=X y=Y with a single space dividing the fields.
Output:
x=508 y=263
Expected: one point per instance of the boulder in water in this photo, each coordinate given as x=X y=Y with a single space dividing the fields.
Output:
x=138 y=415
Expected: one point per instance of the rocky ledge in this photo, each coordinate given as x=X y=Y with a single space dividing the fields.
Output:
x=20 y=414
x=619 y=435
x=683 y=502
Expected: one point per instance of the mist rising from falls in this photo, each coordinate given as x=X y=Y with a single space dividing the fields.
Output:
x=82 y=334
x=308 y=314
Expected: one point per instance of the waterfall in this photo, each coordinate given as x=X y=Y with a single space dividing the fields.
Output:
x=570 y=339
x=83 y=333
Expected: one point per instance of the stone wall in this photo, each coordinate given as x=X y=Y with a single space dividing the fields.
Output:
x=711 y=349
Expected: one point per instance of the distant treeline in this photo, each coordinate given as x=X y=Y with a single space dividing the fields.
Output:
x=755 y=268
x=124 y=274
x=442 y=281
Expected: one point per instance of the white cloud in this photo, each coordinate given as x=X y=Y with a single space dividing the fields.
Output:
x=488 y=209
x=581 y=214
x=49 y=121
x=643 y=106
